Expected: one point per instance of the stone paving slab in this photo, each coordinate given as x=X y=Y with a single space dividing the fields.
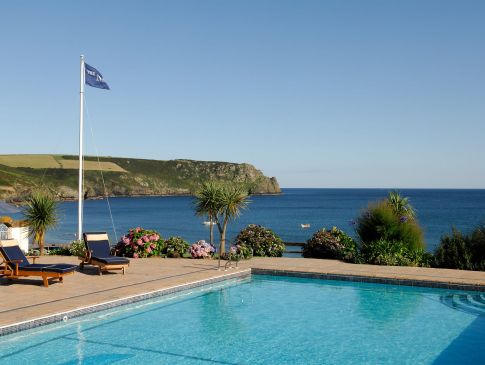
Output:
x=27 y=299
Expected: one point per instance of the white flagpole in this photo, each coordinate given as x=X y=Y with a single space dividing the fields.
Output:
x=81 y=162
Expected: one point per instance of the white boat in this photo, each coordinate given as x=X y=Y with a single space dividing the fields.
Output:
x=207 y=223
x=305 y=225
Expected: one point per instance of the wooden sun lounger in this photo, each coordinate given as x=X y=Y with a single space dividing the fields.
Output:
x=15 y=265
x=98 y=253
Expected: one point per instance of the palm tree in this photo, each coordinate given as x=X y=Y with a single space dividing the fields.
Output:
x=207 y=203
x=401 y=205
x=233 y=199
x=41 y=215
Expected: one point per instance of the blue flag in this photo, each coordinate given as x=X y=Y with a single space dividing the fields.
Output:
x=94 y=78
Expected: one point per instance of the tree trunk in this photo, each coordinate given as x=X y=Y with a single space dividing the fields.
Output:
x=222 y=245
x=223 y=237
x=41 y=243
x=211 y=240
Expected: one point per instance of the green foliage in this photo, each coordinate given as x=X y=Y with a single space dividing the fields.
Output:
x=393 y=253
x=41 y=215
x=400 y=205
x=390 y=234
x=330 y=244
x=175 y=247
x=380 y=222
x=61 y=251
x=238 y=252
x=462 y=251
x=222 y=203
x=77 y=248
x=263 y=241
x=207 y=203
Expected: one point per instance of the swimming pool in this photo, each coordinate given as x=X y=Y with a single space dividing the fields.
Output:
x=270 y=320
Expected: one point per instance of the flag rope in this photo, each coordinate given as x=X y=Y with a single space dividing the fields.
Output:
x=99 y=168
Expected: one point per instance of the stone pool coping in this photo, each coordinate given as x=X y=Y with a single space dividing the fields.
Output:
x=25 y=304
x=67 y=315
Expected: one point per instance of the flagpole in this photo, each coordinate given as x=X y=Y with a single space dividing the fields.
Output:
x=81 y=162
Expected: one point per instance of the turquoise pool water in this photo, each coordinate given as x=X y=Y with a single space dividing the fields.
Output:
x=270 y=320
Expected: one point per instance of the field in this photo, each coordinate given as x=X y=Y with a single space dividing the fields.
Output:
x=56 y=162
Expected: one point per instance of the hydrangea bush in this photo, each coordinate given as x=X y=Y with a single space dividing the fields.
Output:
x=261 y=240
x=139 y=242
x=175 y=247
x=330 y=244
x=202 y=250
x=238 y=252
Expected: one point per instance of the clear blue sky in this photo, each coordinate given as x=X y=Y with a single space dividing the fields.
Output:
x=317 y=93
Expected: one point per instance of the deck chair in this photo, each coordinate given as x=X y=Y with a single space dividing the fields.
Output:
x=15 y=265
x=98 y=253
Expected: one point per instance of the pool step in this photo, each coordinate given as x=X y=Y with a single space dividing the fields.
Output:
x=469 y=303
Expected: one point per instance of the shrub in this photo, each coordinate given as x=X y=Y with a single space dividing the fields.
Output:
x=393 y=253
x=139 y=242
x=175 y=247
x=77 y=248
x=262 y=241
x=462 y=251
x=380 y=222
x=202 y=250
x=238 y=252
x=61 y=251
x=333 y=244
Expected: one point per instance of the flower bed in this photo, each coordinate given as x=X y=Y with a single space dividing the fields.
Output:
x=139 y=242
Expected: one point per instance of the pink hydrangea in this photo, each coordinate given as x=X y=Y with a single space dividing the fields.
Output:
x=139 y=241
x=201 y=249
x=145 y=239
x=135 y=255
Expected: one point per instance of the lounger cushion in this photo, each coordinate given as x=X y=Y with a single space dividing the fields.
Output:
x=97 y=243
x=60 y=268
x=34 y=267
x=112 y=260
x=14 y=253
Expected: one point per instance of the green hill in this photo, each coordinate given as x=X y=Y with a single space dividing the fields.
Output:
x=20 y=174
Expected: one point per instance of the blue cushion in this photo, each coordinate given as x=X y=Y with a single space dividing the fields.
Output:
x=14 y=253
x=34 y=267
x=112 y=260
x=60 y=268
x=98 y=248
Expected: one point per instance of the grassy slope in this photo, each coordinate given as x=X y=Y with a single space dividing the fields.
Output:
x=142 y=177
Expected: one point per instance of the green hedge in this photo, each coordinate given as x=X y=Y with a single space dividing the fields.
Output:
x=462 y=251
x=262 y=241
x=330 y=244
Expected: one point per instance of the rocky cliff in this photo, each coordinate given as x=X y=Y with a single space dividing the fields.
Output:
x=20 y=174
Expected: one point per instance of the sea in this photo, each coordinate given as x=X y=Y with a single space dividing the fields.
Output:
x=438 y=210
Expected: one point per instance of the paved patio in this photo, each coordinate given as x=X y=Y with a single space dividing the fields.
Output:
x=26 y=299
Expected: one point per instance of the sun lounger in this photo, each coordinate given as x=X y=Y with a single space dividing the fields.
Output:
x=98 y=253
x=15 y=265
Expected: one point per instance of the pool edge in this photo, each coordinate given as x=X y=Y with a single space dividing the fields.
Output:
x=371 y=279
x=73 y=313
